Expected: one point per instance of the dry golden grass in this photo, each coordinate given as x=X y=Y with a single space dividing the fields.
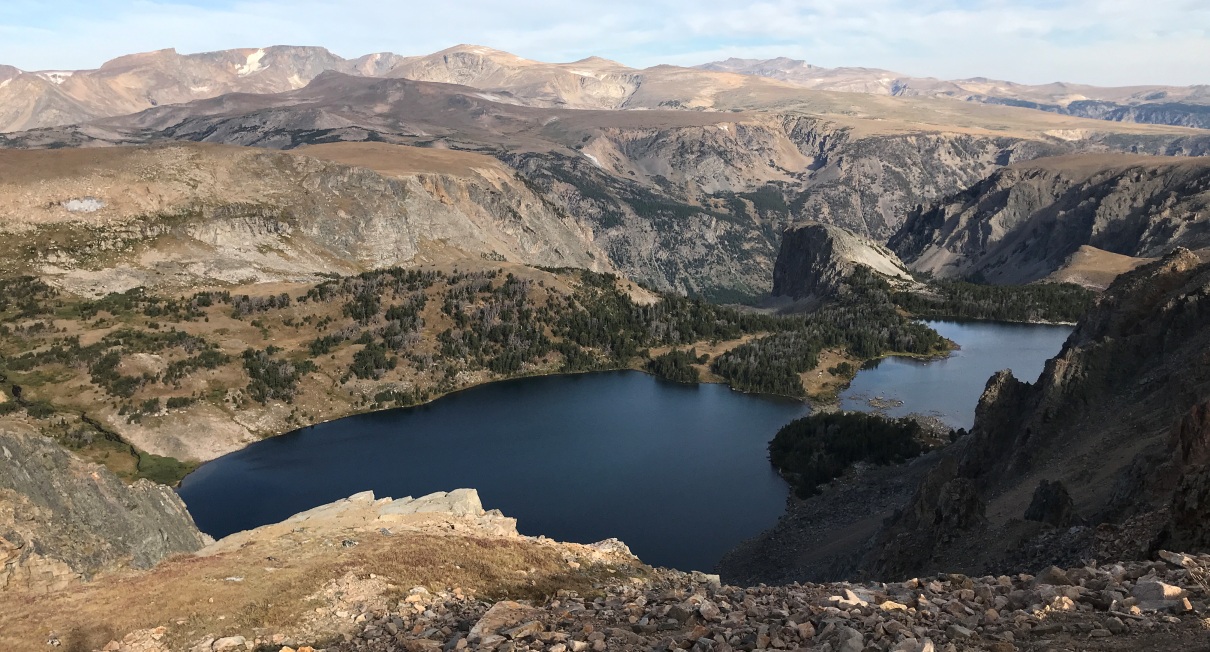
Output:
x=710 y=349
x=1086 y=165
x=192 y=597
x=822 y=384
x=1095 y=268
x=401 y=160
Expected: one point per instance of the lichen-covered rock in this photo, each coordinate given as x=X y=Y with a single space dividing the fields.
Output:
x=63 y=520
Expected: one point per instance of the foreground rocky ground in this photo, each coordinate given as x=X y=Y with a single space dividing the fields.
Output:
x=1157 y=605
x=600 y=597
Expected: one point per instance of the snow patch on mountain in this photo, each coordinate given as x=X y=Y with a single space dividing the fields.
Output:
x=252 y=65
x=83 y=205
x=55 y=77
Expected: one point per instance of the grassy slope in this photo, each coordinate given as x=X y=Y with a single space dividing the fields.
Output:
x=99 y=375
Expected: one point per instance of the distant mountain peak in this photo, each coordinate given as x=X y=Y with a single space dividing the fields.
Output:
x=139 y=58
x=598 y=61
x=481 y=50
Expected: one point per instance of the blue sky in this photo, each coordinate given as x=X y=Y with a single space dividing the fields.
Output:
x=1108 y=42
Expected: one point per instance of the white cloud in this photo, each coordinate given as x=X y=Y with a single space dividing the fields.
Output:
x=1093 y=41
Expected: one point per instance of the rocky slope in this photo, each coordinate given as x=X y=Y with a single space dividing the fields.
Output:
x=1028 y=220
x=815 y=259
x=63 y=520
x=1187 y=106
x=1117 y=418
x=1085 y=463
x=104 y=220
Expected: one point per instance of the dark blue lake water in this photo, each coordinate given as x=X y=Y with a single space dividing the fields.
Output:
x=680 y=473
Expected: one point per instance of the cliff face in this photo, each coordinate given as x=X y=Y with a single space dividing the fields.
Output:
x=63 y=520
x=695 y=207
x=815 y=259
x=106 y=220
x=1114 y=417
x=1028 y=220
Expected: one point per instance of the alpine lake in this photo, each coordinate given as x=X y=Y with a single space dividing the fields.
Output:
x=678 y=472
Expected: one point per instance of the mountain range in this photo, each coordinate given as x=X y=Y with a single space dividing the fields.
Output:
x=135 y=82
x=681 y=178
x=1174 y=105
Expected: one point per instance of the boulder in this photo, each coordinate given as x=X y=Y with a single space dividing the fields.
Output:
x=1148 y=590
x=501 y=616
x=1053 y=576
x=459 y=502
x=229 y=643
x=1051 y=504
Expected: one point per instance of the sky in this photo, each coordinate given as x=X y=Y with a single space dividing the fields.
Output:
x=1104 y=42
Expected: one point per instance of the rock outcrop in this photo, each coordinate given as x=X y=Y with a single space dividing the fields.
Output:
x=63 y=520
x=1118 y=417
x=1051 y=504
x=815 y=259
x=1187 y=524
x=1027 y=221
x=459 y=510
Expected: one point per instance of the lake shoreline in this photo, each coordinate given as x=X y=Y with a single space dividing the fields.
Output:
x=823 y=402
x=627 y=448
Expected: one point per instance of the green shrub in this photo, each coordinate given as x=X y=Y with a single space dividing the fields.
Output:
x=164 y=470
x=814 y=450
x=677 y=366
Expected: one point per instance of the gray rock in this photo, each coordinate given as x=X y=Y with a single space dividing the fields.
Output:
x=1053 y=576
x=1151 y=590
x=524 y=630
x=709 y=611
x=87 y=519
x=501 y=615
x=849 y=640
x=1051 y=504
x=958 y=632
x=229 y=643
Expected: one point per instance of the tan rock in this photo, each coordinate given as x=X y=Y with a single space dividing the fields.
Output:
x=502 y=615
